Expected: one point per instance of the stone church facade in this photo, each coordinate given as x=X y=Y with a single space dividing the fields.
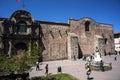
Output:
x=58 y=40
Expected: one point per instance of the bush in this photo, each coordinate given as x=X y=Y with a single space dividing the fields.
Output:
x=97 y=68
x=21 y=62
x=55 y=77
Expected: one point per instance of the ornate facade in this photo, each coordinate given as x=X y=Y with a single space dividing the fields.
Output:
x=58 y=40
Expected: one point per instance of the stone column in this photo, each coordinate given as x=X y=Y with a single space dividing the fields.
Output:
x=10 y=46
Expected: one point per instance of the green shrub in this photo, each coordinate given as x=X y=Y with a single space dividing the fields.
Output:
x=97 y=68
x=55 y=77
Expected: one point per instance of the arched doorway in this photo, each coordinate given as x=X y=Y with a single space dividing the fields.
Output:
x=21 y=46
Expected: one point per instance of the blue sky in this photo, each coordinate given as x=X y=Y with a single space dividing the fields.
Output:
x=102 y=11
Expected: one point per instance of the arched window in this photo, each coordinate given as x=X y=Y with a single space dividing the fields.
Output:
x=87 y=23
x=22 y=29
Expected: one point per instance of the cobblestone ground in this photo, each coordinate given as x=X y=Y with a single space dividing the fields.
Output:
x=77 y=69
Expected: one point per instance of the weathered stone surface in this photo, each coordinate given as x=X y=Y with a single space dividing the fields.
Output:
x=89 y=40
x=56 y=39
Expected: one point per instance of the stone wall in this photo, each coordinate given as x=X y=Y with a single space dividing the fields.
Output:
x=55 y=41
x=62 y=40
x=89 y=40
x=85 y=38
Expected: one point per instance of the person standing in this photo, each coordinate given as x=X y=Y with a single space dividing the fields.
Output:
x=102 y=66
x=115 y=58
x=109 y=53
x=88 y=72
x=37 y=66
x=46 y=69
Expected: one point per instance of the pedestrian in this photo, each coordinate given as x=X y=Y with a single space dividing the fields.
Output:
x=115 y=58
x=84 y=58
x=105 y=54
x=37 y=66
x=109 y=53
x=102 y=66
x=88 y=72
x=46 y=69
x=115 y=52
x=74 y=57
x=110 y=64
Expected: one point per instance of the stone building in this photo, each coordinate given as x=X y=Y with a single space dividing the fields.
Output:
x=58 y=40
x=117 y=41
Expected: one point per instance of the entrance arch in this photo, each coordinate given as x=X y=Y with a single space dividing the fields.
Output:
x=21 y=46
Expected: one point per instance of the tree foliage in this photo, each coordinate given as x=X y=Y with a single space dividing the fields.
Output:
x=21 y=62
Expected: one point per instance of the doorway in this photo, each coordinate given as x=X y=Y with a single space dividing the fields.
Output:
x=73 y=47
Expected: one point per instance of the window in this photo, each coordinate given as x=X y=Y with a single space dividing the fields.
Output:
x=87 y=23
x=22 y=29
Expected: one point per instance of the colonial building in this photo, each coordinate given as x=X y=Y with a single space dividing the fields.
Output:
x=117 y=41
x=58 y=40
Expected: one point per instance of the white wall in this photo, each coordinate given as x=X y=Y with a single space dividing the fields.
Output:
x=117 y=44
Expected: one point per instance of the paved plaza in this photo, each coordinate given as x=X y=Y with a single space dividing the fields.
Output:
x=77 y=69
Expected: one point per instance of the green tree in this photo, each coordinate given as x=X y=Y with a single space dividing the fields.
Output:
x=22 y=62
